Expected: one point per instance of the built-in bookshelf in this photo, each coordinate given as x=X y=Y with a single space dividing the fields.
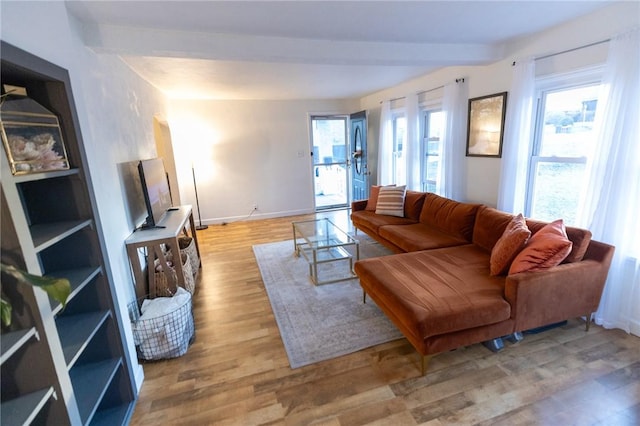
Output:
x=59 y=366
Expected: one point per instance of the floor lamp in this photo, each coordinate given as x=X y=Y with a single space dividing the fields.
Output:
x=200 y=226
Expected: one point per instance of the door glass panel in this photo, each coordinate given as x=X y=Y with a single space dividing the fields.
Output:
x=329 y=138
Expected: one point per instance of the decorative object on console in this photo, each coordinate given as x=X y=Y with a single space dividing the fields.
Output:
x=31 y=134
x=486 y=125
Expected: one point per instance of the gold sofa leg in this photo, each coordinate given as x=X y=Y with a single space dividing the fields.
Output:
x=424 y=363
x=588 y=324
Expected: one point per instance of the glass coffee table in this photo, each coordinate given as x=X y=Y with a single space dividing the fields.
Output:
x=320 y=241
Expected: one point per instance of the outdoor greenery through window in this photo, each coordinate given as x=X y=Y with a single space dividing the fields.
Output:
x=564 y=140
x=432 y=125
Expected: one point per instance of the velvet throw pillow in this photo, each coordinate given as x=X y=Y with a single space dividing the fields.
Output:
x=373 y=198
x=546 y=248
x=372 y=202
x=512 y=241
x=391 y=201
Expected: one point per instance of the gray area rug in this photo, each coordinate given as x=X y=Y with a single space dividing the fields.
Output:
x=326 y=321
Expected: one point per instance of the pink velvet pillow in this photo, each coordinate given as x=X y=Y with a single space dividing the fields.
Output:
x=512 y=241
x=372 y=202
x=546 y=248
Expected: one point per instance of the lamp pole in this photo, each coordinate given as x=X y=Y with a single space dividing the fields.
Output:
x=200 y=226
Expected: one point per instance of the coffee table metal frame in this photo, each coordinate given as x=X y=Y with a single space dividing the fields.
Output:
x=321 y=241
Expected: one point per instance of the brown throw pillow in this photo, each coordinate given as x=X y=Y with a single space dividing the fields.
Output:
x=373 y=198
x=512 y=241
x=546 y=248
x=391 y=201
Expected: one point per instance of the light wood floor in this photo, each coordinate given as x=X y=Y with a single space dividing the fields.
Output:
x=237 y=373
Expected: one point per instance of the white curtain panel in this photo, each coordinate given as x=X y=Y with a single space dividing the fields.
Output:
x=611 y=202
x=452 y=177
x=413 y=143
x=385 y=145
x=516 y=145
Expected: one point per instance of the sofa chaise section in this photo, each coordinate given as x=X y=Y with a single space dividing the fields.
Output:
x=444 y=297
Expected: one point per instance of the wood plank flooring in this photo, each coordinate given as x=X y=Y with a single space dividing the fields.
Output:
x=237 y=373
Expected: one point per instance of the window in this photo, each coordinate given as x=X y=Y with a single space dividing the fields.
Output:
x=563 y=142
x=432 y=127
x=399 y=162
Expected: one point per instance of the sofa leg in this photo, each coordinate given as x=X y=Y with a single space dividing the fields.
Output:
x=588 y=322
x=494 y=345
x=424 y=363
x=515 y=337
x=364 y=296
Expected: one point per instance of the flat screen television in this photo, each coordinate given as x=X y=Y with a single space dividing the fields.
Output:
x=155 y=188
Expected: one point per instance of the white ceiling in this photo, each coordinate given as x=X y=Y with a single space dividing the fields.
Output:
x=307 y=49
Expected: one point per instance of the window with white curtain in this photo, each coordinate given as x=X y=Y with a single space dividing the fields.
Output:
x=398 y=158
x=563 y=141
x=432 y=126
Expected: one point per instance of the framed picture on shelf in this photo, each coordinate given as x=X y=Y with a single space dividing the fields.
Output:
x=485 y=126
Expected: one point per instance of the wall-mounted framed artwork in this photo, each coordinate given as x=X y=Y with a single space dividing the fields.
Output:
x=485 y=126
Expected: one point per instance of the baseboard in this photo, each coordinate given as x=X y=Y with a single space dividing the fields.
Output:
x=256 y=216
x=138 y=373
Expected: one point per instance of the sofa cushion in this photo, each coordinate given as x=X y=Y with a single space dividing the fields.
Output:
x=413 y=202
x=419 y=237
x=512 y=241
x=546 y=249
x=578 y=236
x=391 y=201
x=489 y=227
x=431 y=292
x=450 y=216
x=368 y=220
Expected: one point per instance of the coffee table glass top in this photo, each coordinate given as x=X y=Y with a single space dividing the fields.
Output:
x=322 y=233
x=321 y=242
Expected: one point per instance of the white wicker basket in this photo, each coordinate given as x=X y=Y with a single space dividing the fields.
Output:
x=188 y=246
x=164 y=282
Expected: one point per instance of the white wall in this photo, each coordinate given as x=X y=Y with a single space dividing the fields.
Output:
x=115 y=110
x=247 y=152
x=483 y=174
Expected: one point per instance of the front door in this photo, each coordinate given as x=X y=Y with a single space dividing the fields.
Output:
x=330 y=148
x=359 y=168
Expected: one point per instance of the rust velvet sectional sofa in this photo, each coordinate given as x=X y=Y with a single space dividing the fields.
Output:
x=443 y=288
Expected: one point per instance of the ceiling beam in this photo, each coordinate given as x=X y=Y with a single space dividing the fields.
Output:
x=130 y=41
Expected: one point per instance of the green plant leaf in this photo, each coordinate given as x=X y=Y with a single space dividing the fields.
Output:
x=58 y=289
x=5 y=312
